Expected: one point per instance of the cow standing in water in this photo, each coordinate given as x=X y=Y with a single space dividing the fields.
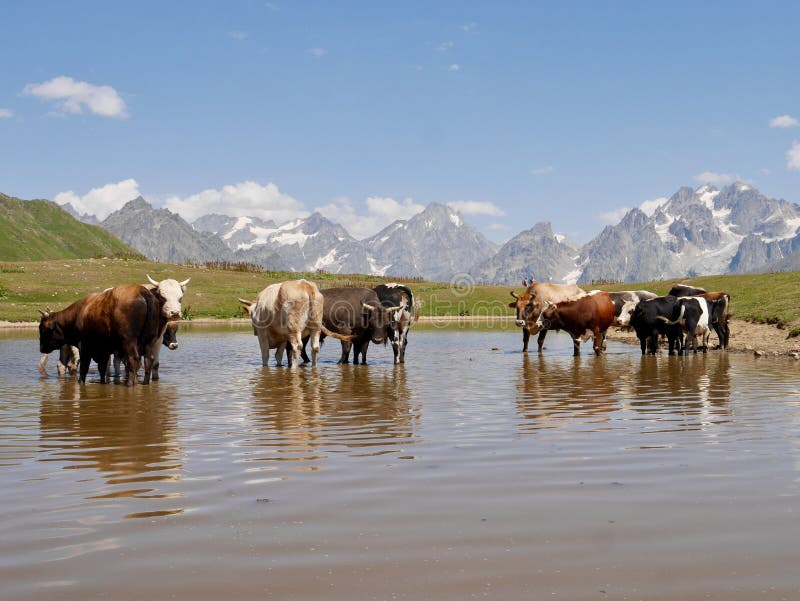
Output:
x=530 y=303
x=583 y=318
x=287 y=312
x=169 y=340
x=126 y=320
x=720 y=309
x=359 y=313
x=400 y=296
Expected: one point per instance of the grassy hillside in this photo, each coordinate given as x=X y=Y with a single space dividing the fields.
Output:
x=27 y=286
x=33 y=230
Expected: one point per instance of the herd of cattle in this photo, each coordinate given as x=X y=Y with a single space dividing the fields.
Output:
x=131 y=322
x=685 y=310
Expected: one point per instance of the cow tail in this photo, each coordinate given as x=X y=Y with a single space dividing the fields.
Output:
x=148 y=300
x=336 y=335
x=677 y=321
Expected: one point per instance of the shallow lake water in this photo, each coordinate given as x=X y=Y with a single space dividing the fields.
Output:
x=465 y=473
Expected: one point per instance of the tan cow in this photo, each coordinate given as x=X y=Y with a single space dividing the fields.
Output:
x=288 y=312
x=530 y=303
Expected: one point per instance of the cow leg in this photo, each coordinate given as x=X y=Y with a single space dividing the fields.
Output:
x=103 y=362
x=643 y=344
x=263 y=342
x=86 y=359
x=526 y=334
x=303 y=353
x=396 y=350
x=576 y=347
x=297 y=346
x=599 y=340
x=314 y=348
x=365 y=346
x=155 y=362
x=345 y=357
x=404 y=344
x=654 y=343
x=279 y=353
x=116 y=367
x=132 y=364
x=540 y=340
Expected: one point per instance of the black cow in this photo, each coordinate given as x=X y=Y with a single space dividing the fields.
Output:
x=355 y=312
x=398 y=295
x=647 y=325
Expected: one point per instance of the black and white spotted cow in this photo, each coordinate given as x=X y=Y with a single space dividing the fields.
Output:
x=692 y=314
x=398 y=295
x=625 y=302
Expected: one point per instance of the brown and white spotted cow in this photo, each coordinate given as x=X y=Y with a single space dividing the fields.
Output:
x=530 y=303
x=583 y=318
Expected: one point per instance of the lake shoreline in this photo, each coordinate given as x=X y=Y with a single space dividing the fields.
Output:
x=761 y=340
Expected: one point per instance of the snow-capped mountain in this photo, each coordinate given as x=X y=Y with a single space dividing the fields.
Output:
x=435 y=244
x=700 y=231
x=696 y=232
x=536 y=253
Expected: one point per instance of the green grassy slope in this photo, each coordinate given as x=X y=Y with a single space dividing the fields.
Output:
x=32 y=230
x=28 y=286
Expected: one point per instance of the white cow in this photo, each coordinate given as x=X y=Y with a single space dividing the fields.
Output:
x=288 y=312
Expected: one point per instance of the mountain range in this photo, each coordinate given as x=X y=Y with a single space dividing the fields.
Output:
x=700 y=231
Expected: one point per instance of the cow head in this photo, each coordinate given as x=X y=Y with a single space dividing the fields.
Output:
x=170 y=339
x=171 y=292
x=519 y=304
x=381 y=320
x=624 y=319
x=549 y=318
x=51 y=335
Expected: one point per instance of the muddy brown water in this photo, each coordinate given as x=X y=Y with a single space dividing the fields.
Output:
x=466 y=473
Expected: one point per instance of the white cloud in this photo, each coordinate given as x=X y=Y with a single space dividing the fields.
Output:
x=793 y=157
x=272 y=6
x=712 y=177
x=239 y=200
x=543 y=170
x=648 y=207
x=445 y=46
x=498 y=227
x=6 y=113
x=469 y=27
x=614 y=216
x=474 y=207
x=784 y=121
x=238 y=35
x=73 y=96
x=381 y=211
x=102 y=201
x=317 y=52
x=454 y=68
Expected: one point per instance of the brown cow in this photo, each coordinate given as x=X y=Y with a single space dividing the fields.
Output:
x=583 y=318
x=530 y=303
x=287 y=312
x=125 y=320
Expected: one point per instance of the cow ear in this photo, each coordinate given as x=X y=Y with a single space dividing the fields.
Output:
x=512 y=305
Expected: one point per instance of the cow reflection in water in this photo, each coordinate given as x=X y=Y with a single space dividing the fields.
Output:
x=551 y=391
x=350 y=410
x=129 y=435
x=696 y=388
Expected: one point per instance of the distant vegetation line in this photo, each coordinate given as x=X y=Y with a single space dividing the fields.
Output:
x=27 y=286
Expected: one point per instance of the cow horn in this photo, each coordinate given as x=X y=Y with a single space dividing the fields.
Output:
x=45 y=313
x=151 y=280
x=514 y=294
x=184 y=282
x=367 y=307
x=245 y=302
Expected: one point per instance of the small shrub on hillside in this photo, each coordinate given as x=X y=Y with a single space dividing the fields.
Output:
x=793 y=332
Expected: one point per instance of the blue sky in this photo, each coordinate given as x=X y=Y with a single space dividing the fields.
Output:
x=520 y=111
